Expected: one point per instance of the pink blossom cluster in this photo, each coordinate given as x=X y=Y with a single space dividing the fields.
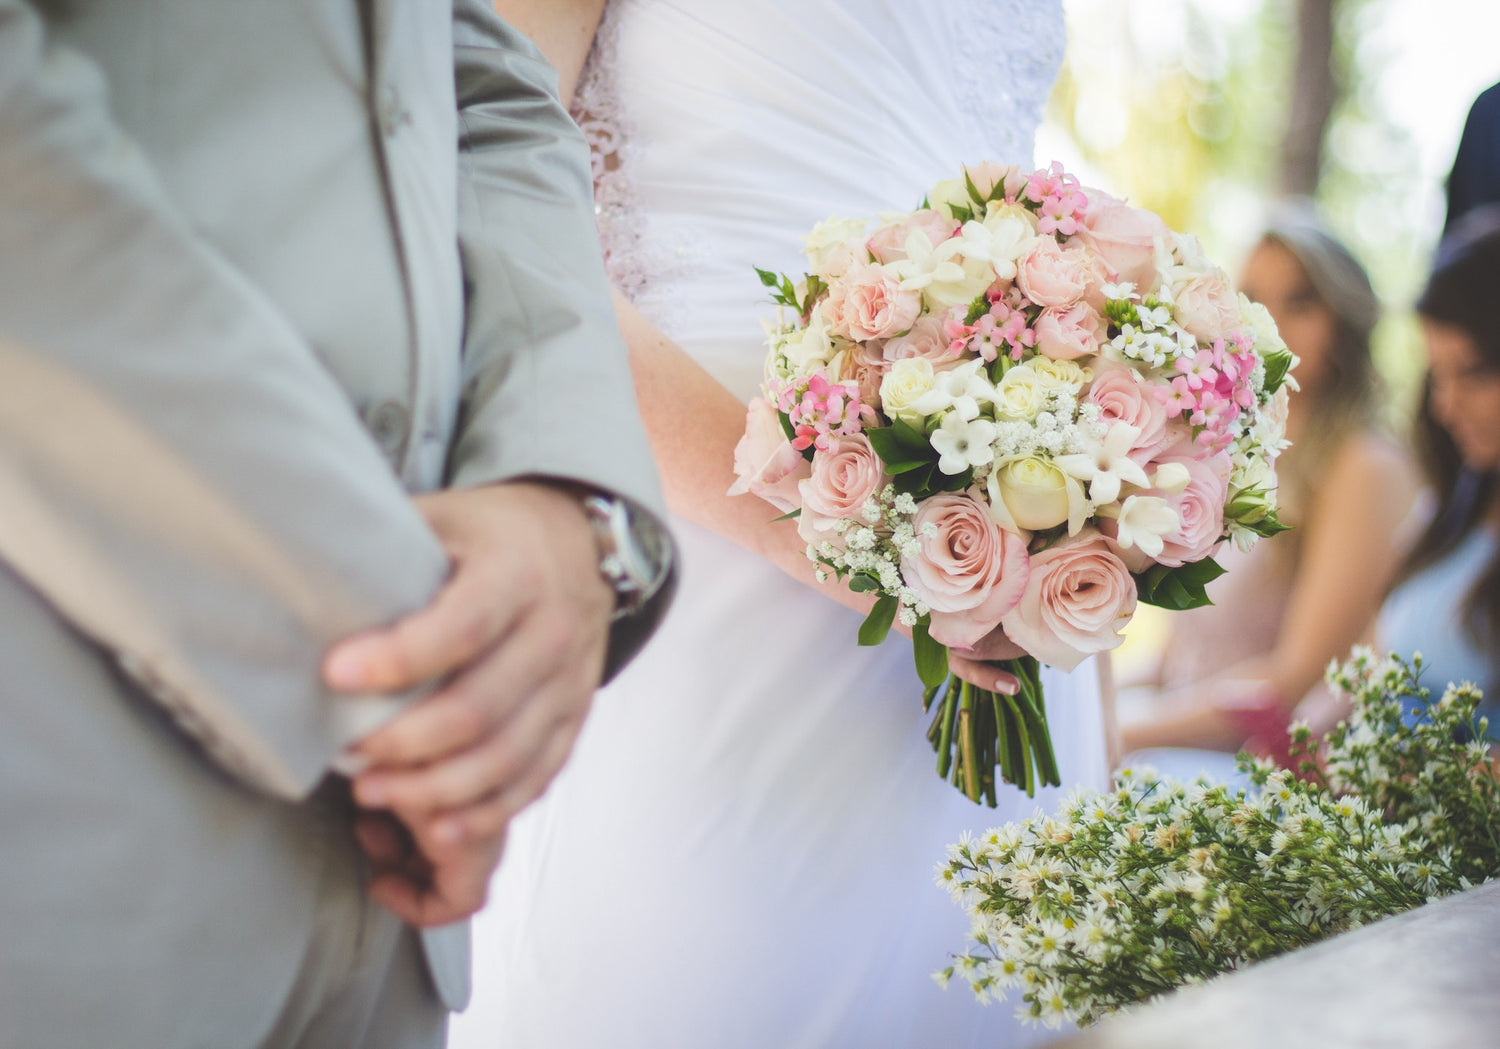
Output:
x=1002 y=330
x=820 y=410
x=1061 y=202
x=1213 y=389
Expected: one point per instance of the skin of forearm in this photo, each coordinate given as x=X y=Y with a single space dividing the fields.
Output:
x=693 y=423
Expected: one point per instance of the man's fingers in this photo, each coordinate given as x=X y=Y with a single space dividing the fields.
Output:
x=469 y=615
x=454 y=828
x=454 y=890
x=380 y=839
x=477 y=702
x=472 y=775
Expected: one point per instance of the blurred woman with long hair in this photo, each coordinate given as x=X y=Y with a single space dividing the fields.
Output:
x=1231 y=673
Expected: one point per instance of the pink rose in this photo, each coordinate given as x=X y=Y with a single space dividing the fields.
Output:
x=843 y=478
x=1199 y=506
x=888 y=243
x=1122 y=395
x=1207 y=306
x=1077 y=599
x=988 y=174
x=863 y=365
x=868 y=302
x=1068 y=332
x=970 y=571
x=1124 y=237
x=765 y=461
x=1051 y=275
x=926 y=340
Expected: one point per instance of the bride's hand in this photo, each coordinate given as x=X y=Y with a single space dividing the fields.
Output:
x=976 y=664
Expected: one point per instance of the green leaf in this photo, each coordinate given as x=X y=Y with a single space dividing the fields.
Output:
x=958 y=482
x=931 y=656
x=908 y=436
x=878 y=623
x=899 y=444
x=767 y=278
x=1178 y=588
x=863 y=583
x=788 y=516
x=1278 y=363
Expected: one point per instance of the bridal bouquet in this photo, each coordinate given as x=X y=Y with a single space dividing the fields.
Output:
x=1024 y=405
x=1124 y=895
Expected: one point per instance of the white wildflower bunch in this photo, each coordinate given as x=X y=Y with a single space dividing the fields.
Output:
x=1126 y=894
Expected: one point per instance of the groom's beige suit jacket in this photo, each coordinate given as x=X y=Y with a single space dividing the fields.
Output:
x=266 y=268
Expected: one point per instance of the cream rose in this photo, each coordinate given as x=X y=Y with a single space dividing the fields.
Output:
x=906 y=383
x=1079 y=596
x=843 y=478
x=1032 y=493
x=1059 y=374
x=969 y=571
x=834 y=245
x=764 y=460
x=1020 y=395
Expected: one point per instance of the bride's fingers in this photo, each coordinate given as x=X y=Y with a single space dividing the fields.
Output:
x=994 y=645
x=982 y=675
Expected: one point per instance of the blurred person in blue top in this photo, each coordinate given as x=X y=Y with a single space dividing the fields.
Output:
x=1446 y=600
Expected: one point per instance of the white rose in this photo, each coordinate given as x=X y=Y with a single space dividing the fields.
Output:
x=1059 y=375
x=834 y=245
x=907 y=382
x=948 y=192
x=1021 y=395
x=1033 y=493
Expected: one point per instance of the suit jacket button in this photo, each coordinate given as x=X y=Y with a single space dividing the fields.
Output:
x=392 y=113
x=389 y=422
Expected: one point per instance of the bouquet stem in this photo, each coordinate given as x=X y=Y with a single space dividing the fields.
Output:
x=976 y=732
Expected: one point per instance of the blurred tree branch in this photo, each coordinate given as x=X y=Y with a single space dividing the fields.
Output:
x=1313 y=96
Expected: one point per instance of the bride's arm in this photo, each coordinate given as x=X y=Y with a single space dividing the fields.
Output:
x=692 y=420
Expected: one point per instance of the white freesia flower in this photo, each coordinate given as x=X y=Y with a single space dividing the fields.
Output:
x=962 y=443
x=1172 y=478
x=1106 y=464
x=964 y=390
x=1001 y=239
x=926 y=263
x=806 y=350
x=1145 y=520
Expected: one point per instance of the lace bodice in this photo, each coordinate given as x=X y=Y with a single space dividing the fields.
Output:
x=813 y=108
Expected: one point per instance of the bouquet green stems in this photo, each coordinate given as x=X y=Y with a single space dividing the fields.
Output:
x=983 y=737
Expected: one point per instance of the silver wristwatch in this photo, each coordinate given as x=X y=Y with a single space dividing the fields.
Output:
x=635 y=556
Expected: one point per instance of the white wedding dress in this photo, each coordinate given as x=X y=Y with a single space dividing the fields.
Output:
x=741 y=852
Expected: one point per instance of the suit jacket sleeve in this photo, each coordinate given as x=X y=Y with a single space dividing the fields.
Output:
x=179 y=476
x=547 y=383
